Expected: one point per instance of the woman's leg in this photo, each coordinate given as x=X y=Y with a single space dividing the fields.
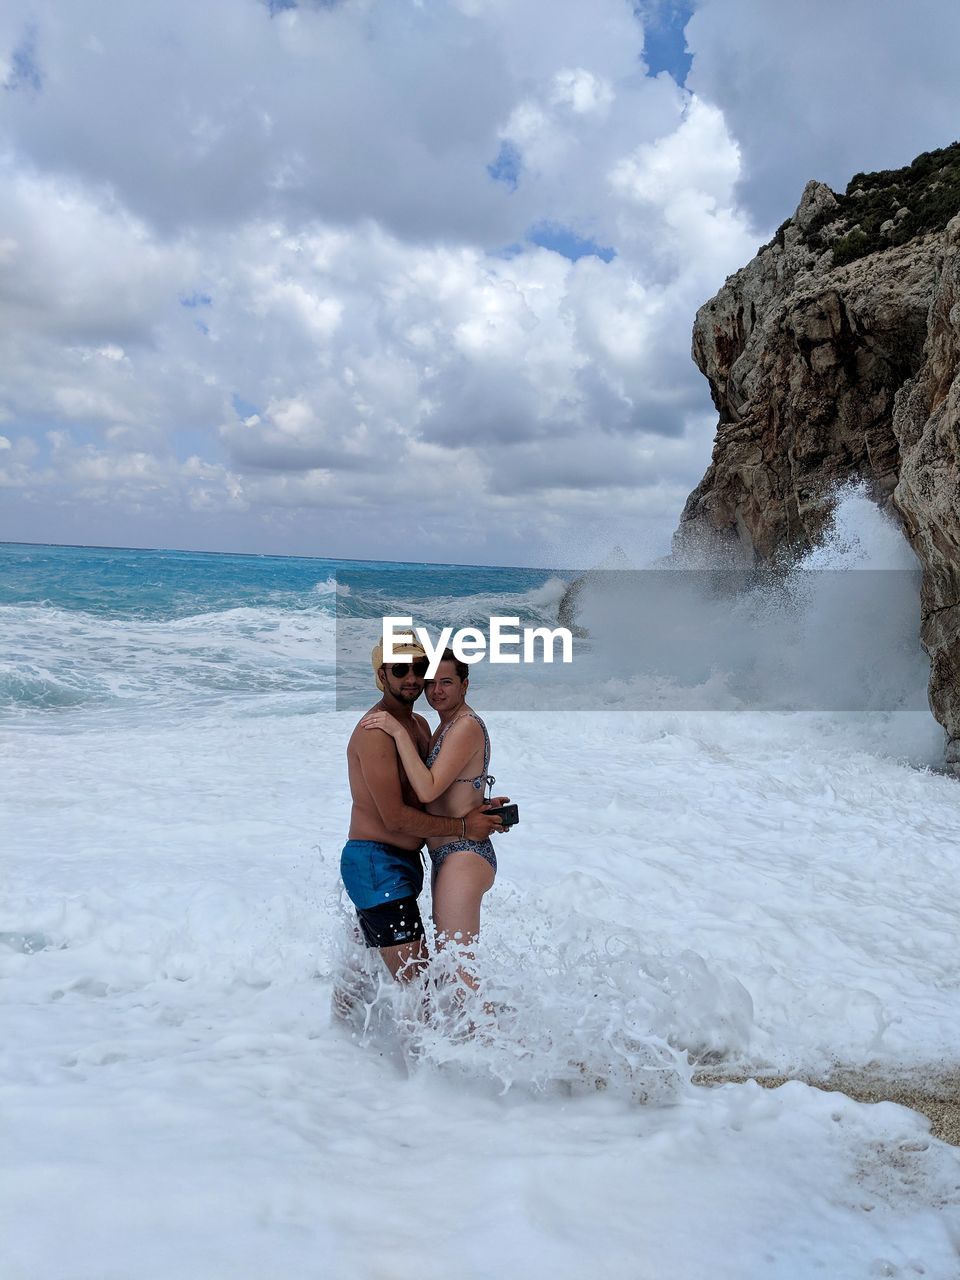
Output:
x=458 y=889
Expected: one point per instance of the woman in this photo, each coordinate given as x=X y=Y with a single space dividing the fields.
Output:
x=450 y=782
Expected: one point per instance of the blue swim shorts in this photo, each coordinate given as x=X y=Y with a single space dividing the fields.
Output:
x=383 y=882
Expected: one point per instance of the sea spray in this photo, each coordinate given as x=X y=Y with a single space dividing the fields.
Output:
x=838 y=631
x=556 y=1009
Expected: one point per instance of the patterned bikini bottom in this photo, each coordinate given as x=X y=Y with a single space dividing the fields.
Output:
x=483 y=847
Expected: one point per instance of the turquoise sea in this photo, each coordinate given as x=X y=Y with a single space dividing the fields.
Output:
x=87 y=629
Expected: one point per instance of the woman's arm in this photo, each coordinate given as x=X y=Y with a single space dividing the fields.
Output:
x=381 y=773
x=459 y=745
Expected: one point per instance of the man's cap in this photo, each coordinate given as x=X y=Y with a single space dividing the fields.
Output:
x=414 y=650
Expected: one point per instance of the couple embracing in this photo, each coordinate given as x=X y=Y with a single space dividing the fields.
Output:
x=409 y=785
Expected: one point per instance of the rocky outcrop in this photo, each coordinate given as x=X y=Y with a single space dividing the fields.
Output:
x=835 y=356
x=927 y=426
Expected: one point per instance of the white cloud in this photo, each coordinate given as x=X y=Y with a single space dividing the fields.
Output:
x=582 y=91
x=699 y=157
x=257 y=276
x=342 y=367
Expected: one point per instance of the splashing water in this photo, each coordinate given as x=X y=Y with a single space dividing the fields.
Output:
x=838 y=631
x=559 y=1008
x=860 y=536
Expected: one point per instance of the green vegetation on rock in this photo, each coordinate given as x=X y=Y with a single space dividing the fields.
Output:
x=879 y=210
x=928 y=189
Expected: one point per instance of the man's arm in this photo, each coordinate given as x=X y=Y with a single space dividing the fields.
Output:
x=381 y=773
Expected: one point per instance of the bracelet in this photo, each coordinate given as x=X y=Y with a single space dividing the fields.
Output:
x=463 y=828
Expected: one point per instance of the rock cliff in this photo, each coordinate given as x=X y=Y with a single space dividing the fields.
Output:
x=833 y=356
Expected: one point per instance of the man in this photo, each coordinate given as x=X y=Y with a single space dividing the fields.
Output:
x=380 y=864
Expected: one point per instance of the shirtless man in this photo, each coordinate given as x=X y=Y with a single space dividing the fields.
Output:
x=380 y=865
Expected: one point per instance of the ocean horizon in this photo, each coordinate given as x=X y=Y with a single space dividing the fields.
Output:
x=267 y=555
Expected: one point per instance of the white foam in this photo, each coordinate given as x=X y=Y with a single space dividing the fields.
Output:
x=54 y=658
x=752 y=891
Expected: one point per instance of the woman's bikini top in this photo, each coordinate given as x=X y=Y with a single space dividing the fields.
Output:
x=482 y=779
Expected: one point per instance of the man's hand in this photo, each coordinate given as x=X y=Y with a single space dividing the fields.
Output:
x=495 y=801
x=479 y=825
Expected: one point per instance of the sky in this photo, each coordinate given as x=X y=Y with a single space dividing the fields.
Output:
x=406 y=279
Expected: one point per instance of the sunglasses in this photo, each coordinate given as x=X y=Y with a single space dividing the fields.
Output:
x=420 y=668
